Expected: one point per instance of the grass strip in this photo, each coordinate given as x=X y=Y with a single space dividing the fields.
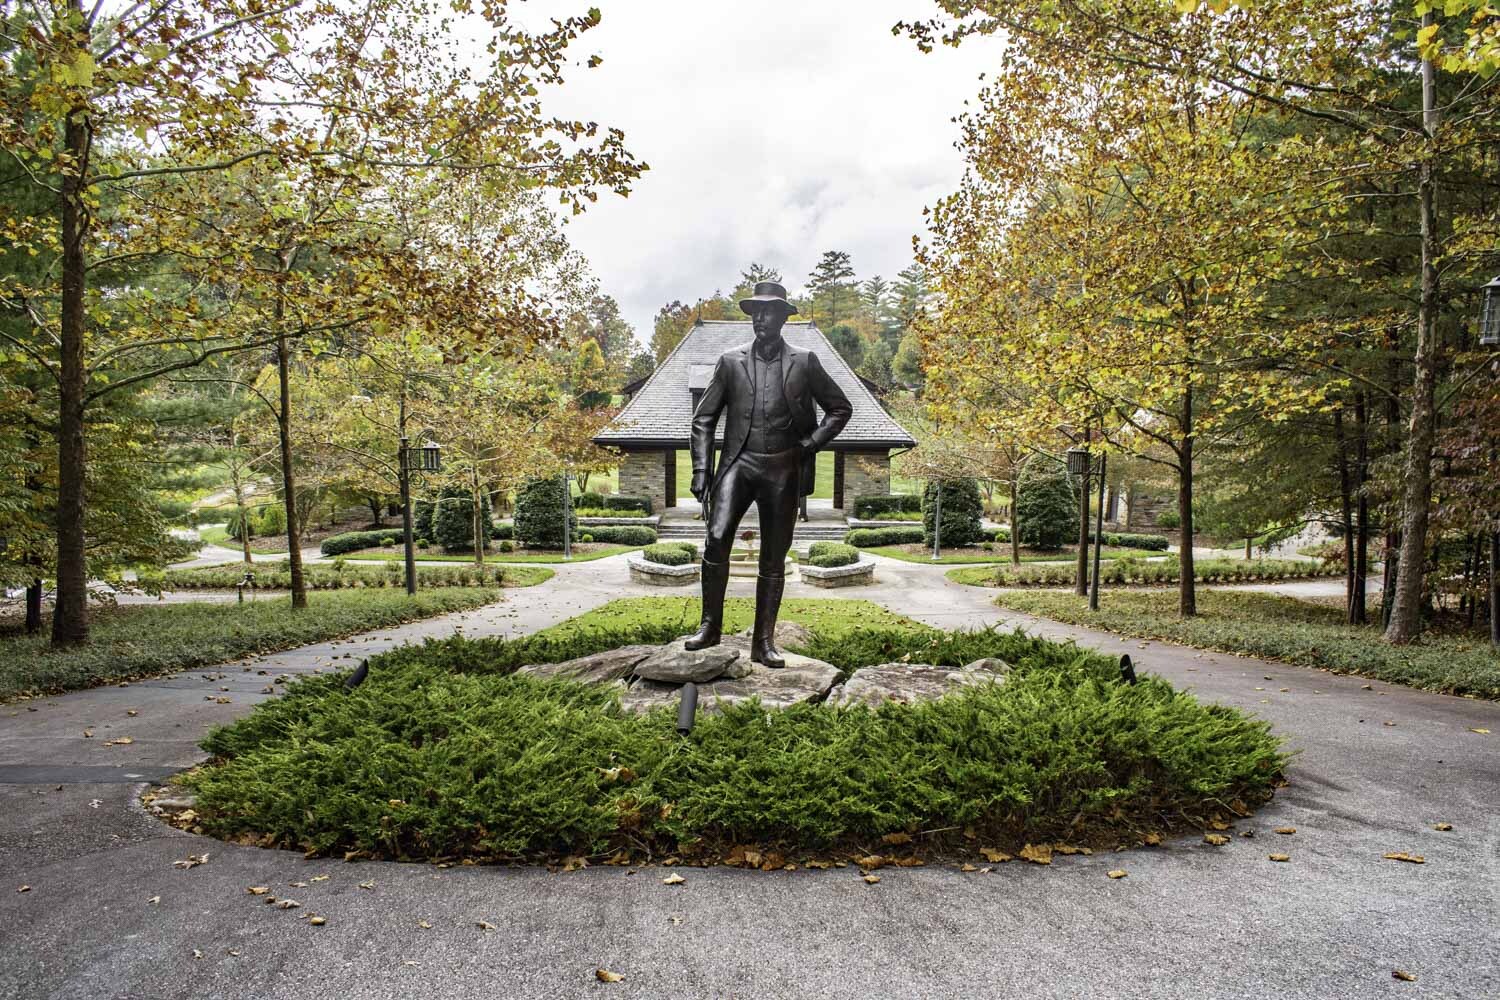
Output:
x=1000 y=553
x=1282 y=628
x=145 y=640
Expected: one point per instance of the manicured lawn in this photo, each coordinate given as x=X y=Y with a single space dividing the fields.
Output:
x=1000 y=554
x=582 y=552
x=444 y=751
x=151 y=639
x=627 y=614
x=1281 y=628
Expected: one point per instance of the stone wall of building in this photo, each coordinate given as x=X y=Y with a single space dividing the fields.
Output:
x=643 y=474
x=866 y=473
x=1142 y=509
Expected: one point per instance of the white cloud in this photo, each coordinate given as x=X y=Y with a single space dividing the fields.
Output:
x=774 y=130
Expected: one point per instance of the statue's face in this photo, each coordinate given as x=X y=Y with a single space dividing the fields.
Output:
x=768 y=319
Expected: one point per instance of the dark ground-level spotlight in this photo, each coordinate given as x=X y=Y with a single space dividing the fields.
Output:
x=357 y=678
x=1127 y=669
x=687 y=709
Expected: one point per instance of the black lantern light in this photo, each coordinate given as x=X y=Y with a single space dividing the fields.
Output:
x=1489 y=314
x=430 y=458
x=1078 y=461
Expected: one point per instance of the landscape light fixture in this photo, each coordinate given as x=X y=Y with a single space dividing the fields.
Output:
x=427 y=458
x=1078 y=461
x=1489 y=314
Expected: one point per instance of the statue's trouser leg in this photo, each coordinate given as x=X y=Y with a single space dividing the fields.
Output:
x=777 y=498
x=733 y=492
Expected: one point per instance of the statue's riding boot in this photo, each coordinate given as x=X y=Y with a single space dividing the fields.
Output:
x=715 y=579
x=767 y=604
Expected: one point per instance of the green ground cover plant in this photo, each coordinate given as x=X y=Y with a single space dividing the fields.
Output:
x=1126 y=570
x=146 y=640
x=1282 y=628
x=445 y=752
x=345 y=575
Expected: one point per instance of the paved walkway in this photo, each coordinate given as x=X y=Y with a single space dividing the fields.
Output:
x=107 y=914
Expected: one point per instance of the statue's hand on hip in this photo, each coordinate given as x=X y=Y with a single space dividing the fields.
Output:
x=699 y=489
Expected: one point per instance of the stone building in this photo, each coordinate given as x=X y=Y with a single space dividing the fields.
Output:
x=657 y=420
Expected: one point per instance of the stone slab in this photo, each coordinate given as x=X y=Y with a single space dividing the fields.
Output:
x=597 y=668
x=788 y=634
x=803 y=679
x=907 y=683
x=674 y=663
x=853 y=575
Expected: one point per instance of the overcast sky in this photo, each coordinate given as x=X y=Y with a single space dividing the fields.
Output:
x=774 y=130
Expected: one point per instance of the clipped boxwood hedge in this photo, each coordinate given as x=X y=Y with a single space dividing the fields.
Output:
x=1134 y=570
x=671 y=553
x=334 y=576
x=867 y=538
x=353 y=541
x=875 y=506
x=621 y=534
x=1131 y=540
x=962 y=510
x=826 y=555
x=539 y=514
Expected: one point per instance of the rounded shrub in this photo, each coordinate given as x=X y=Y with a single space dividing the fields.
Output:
x=826 y=555
x=453 y=519
x=1046 y=503
x=962 y=509
x=272 y=520
x=539 y=514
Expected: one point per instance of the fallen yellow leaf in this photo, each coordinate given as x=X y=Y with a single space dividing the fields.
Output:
x=258 y=890
x=994 y=855
x=1279 y=857
x=317 y=921
x=605 y=976
x=484 y=925
x=1037 y=854
x=673 y=879
x=895 y=839
x=1118 y=873
x=1443 y=827
x=1481 y=732
x=1403 y=975
x=1415 y=859
x=872 y=879
x=1215 y=839
x=1286 y=830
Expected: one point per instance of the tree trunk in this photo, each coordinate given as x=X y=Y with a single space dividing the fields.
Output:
x=1495 y=589
x=1187 y=590
x=378 y=509
x=477 y=495
x=288 y=479
x=1361 y=511
x=1416 y=499
x=70 y=625
x=244 y=525
x=1015 y=528
x=1081 y=576
x=34 y=606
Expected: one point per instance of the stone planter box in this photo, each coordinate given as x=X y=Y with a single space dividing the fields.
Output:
x=853 y=575
x=660 y=575
x=751 y=567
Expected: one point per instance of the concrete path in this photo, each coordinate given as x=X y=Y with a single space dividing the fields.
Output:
x=107 y=914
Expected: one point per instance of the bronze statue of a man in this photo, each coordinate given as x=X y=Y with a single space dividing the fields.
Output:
x=771 y=434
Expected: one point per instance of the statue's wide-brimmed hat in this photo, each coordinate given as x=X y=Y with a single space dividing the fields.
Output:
x=767 y=291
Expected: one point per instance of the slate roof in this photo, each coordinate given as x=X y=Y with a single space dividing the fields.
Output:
x=660 y=414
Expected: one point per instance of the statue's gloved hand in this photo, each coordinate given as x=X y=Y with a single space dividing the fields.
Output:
x=805 y=444
x=699 y=489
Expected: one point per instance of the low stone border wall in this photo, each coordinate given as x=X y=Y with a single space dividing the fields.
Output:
x=660 y=575
x=859 y=522
x=652 y=521
x=852 y=575
x=751 y=567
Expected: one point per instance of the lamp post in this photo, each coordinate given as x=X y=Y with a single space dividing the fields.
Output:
x=1078 y=465
x=567 y=498
x=937 y=522
x=427 y=458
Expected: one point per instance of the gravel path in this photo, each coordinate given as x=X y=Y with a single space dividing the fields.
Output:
x=107 y=914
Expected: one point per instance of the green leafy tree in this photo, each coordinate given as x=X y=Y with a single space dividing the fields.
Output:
x=831 y=285
x=1046 y=503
